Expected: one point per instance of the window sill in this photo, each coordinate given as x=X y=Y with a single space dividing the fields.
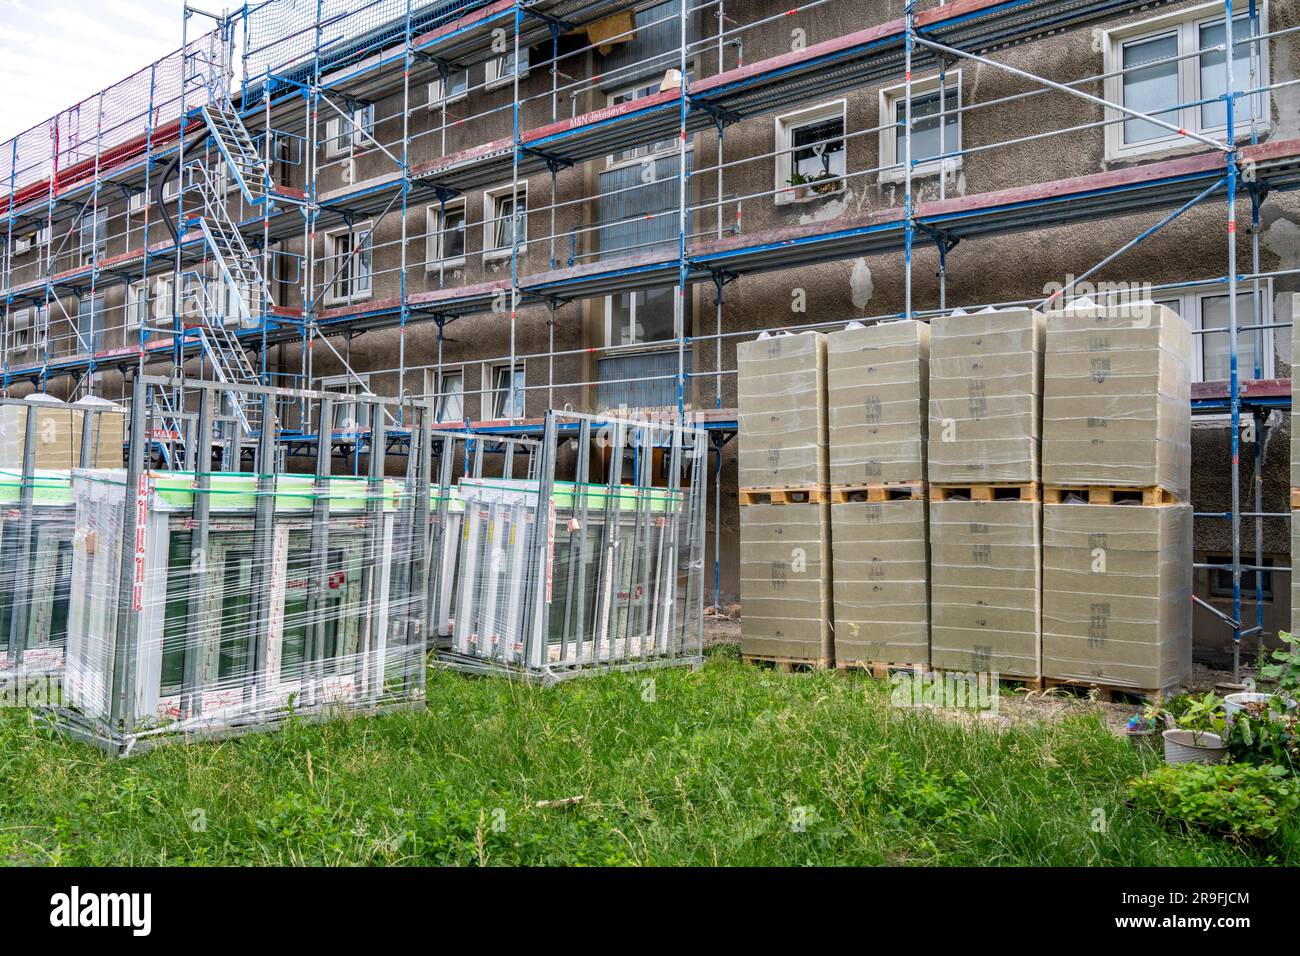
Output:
x=788 y=197
x=929 y=171
x=447 y=265
x=505 y=81
x=496 y=255
x=1175 y=147
x=435 y=105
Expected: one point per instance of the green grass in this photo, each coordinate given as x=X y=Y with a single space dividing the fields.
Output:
x=709 y=772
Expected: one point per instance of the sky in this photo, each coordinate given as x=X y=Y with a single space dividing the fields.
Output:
x=55 y=53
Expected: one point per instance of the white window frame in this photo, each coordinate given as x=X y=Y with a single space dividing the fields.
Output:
x=491 y=217
x=491 y=392
x=495 y=79
x=891 y=98
x=1190 y=307
x=785 y=125
x=353 y=384
x=439 y=382
x=359 y=232
x=434 y=215
x=436 y=98
x=1187 y=23
x=608 y=341
x=20 y=320
x=361 y=126
x=646 y=151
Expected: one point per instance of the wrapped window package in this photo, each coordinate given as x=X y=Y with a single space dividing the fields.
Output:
x=881 y=565
x=58 y=437
x=876 y=385
x=1117 y=398
x=986 y=381
x=985 y=594
x=781 y=385
x=785 y=582
x=1117 y=594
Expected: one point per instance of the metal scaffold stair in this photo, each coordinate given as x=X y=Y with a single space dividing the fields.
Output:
x=236 y=144
x=240 y=276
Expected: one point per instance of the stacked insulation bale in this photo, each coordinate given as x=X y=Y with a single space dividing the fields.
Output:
x=986 y=377
x=1117 y=528
x=876 y=390
x=58 y=436
x=785 y=550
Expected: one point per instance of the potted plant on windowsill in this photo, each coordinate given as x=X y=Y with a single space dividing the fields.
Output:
x=1199 y=735
x=800 y=183
x=824 y=183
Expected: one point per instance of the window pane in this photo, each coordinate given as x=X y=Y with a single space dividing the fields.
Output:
x=925 y=127
x=1214 y=346
x=451 y=403
x=509 y=222
x=816 y=149
x=620 y=319
x=1150 y=89
x=502 y=405
x=453 y=234
x=654 y=314
x=1214 y=74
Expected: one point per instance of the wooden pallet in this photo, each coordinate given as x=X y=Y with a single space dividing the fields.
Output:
x=1295 y=499
x=788 y=665
x=875 y=494
x=881 y=670
x=1109 y=692
x=1108 y=495
x=783 y=496
x=996 y=491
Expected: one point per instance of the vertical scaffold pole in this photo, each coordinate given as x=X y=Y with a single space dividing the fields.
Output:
x=909 y=223
x=1234 y=399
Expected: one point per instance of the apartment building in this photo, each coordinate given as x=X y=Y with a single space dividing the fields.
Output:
x=484 y=202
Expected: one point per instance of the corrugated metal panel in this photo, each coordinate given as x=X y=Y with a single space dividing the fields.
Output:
x=625 y=63
x=628 y=231
x=657 y=385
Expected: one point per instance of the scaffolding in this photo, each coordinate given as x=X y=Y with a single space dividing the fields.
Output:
x=290 y=189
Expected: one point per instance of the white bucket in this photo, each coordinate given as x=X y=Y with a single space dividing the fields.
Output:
x=1184 y=746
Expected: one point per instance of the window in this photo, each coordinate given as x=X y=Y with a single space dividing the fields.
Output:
x=349 y=416
x=451 y=397
x=344 y=136
x=507 y=221
x=349 y=264
x=445 y=245
x=501 y=70
x=630 y=95
x=811 y=147
x=930 y=139
x=500 y=390
x=92 y=234
x=1207 y=308
x=20 y=330
x=138 y=201
x=639 y=318
x=1221 y=579
x=1172 y=71
x=457 y=85
x=137 y=304
x=90 y=324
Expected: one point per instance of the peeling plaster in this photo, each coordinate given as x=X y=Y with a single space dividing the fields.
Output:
x=861 y=284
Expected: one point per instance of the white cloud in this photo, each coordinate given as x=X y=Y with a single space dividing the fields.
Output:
x=55 y=53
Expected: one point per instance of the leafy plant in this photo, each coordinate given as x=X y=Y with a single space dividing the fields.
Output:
x=1204 y=715
x=824 y=182
x=1240 y=800
x=797 y=179
x=1287 y=669
x=1265 y=733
